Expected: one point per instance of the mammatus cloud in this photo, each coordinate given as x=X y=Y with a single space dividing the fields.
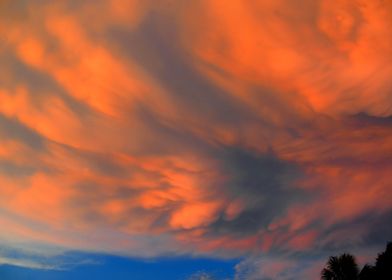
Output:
x=258 y=128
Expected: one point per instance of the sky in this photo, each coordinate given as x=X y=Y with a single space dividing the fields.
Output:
x=198 y=139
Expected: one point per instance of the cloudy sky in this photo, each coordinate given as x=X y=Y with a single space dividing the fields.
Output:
x=201 y=139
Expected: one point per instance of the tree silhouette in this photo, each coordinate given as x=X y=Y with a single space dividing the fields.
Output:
x=343 y=267
x=368 y=272
x=383 y=265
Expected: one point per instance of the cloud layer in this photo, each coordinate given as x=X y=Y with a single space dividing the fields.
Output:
x=226 y=128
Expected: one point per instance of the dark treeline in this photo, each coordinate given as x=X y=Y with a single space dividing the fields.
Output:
x=344 y=267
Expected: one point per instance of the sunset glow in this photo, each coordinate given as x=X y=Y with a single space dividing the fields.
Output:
x=258 y=131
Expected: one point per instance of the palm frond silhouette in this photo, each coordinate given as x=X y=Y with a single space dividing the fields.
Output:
x=343 y=267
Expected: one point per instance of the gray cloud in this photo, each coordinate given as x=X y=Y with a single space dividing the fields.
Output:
x=14 y=130
x=265 y=184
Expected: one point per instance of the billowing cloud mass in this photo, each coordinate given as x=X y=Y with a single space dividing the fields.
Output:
x=258 y=129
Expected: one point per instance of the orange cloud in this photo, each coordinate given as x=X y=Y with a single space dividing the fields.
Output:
x=334 y=66
x=215 y=127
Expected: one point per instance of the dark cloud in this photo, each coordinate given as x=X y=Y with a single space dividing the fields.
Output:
x=14 y=170
x=364 y=119
x=156 y=47
x=14 y=130
x=266 y=185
